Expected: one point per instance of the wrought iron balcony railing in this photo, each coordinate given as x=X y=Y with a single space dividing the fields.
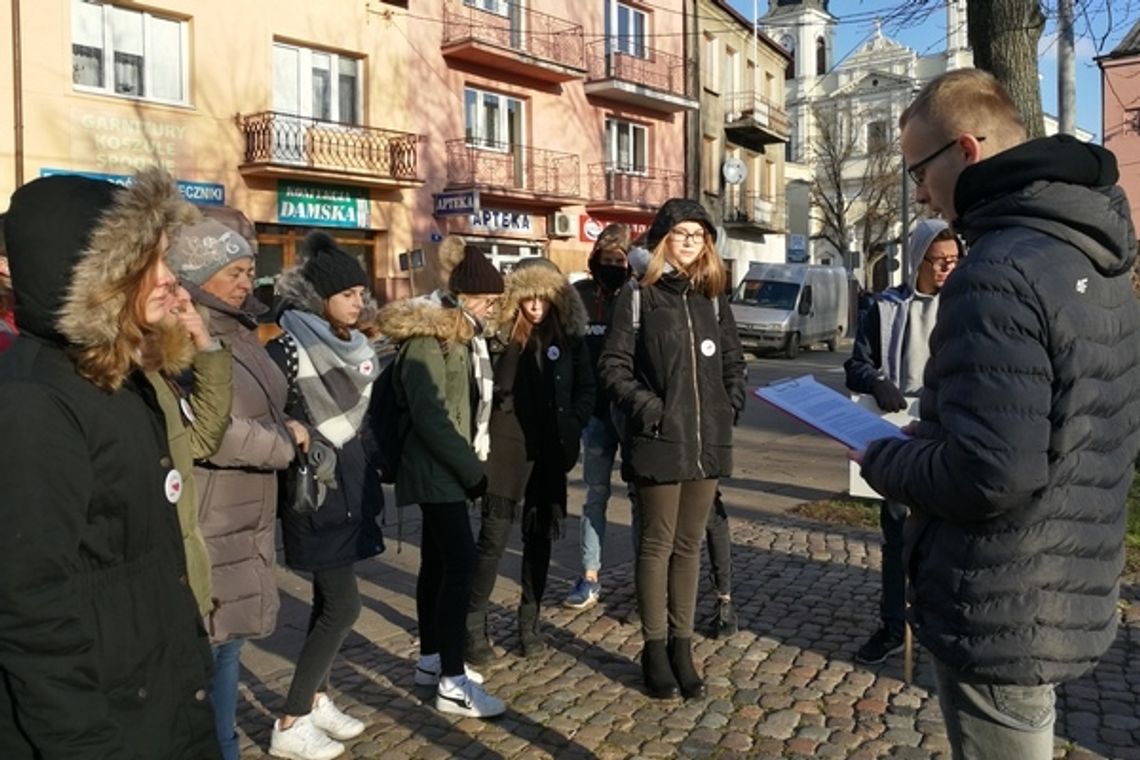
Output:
x=647 y=187
x=286 y=140
x=754 y=208
x=629 y=61
x=513 y=167
x=522 y=30
x=761 y=111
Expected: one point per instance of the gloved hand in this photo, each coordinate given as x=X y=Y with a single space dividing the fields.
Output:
x=477 y=490
x=888 y=396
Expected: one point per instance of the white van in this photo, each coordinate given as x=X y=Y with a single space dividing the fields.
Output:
x=786 y=306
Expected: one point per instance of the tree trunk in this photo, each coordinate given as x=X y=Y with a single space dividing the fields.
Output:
x=1004 y=35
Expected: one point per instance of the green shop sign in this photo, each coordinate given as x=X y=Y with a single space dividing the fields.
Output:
x=322 y=205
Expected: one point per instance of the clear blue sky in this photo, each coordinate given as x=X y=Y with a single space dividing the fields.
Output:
x=927 y=35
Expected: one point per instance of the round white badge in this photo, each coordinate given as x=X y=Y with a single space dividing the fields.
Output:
x=708 y=347
x=366 y=367
x=187 y=412
x=173 y=486
x=553 y=353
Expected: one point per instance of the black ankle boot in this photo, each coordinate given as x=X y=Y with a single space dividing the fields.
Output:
x=529 y=636
x=681 y=660
x=658 y=675
x=476 y=646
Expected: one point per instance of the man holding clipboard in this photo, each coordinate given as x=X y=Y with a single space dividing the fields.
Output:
x=892 y=345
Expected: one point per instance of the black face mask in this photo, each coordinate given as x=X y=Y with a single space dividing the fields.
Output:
x=611 y=276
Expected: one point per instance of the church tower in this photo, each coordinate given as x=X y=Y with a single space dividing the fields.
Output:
x=958 y=53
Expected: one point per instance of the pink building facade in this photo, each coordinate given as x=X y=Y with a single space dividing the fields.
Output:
x=1120 y=123
x=545 y=120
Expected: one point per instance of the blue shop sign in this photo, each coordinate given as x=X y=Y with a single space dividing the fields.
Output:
x=460 y=203
x=201 y=193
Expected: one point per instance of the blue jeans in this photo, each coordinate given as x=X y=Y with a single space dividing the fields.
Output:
x=600 y=446
x=223 y=695
x=996 y=722
x=892 y=605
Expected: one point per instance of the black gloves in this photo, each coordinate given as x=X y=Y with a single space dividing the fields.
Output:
x=477 y=490
x=888 y=396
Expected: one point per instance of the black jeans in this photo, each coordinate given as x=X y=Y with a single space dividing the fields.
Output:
x=443 y=587
x=494 y=533
x=673 y=520
x=892 y=605
x=336 y=606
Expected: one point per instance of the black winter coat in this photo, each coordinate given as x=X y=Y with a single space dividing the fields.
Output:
x=1030 y=423
x=346 y=528
x=678 y=382
x=599 y=302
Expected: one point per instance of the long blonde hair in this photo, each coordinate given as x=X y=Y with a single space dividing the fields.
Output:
x=706 y=272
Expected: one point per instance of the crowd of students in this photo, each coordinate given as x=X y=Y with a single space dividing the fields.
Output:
x=149 y=436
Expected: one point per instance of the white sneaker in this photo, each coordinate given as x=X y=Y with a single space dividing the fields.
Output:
x=468 y=699
x=333 y=722
x=303 y=741
x=428 y=670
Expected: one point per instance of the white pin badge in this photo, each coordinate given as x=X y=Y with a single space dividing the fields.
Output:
x=173 y=486
x=708 y=347
x=553 y=353
x=366 y=367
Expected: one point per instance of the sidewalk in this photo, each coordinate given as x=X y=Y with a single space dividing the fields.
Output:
x=786 y=686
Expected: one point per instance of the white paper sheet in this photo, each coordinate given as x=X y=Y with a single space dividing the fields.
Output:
x=828 y=411
x=856 y=486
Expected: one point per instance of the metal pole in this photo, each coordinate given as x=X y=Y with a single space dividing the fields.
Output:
x=1066 y=69
x=18 y=92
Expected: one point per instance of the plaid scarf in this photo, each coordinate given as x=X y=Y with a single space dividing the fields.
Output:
x=485 y=384
x=334 y=377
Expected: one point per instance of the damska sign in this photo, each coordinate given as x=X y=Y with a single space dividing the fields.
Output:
x=322 y=205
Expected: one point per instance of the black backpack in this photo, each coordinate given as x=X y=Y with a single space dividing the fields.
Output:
x=389 y=422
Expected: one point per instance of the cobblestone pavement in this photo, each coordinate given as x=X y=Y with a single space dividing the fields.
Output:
x=786 y=686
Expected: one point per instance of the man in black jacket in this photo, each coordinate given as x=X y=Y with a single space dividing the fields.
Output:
x=1018 y=469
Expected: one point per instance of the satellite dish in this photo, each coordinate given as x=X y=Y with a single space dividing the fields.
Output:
x=734 y=171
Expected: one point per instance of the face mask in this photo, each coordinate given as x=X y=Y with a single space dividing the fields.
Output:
x=611 y=276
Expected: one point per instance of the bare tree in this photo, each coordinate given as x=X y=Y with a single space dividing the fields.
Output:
x=855 y=191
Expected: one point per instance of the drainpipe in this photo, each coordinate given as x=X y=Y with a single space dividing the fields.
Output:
x=17 y=93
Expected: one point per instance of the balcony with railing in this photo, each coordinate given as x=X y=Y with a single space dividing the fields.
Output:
x=759 y=212
x=753 y=121
x=524 y=41
x=520 y=173
x=282 y=145
x=615 y=190
x=630 y=73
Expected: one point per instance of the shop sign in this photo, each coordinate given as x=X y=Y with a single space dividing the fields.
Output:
x=201 y=193
x=456 y=204
x=322 y=205
x=502 y=221
x=590 y=227
x=126 y=143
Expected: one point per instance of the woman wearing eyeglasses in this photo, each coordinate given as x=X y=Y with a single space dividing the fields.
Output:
x=676 y=375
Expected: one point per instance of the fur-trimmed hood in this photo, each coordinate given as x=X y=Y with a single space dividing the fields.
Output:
x=125 y=233
x=436 y=315
x=549 y=284
x=296 y=292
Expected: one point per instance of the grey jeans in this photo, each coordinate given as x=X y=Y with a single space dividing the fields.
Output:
x=996 y=722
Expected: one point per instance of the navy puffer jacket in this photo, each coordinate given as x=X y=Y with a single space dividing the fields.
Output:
x=1030 y=423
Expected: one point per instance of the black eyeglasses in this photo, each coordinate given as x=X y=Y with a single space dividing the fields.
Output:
x=915 y=170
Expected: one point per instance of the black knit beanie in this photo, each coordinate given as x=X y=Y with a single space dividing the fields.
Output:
x=474 y=274
x=673 y=212
x=329 y=269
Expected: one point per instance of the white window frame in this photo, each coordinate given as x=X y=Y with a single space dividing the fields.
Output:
x=475 y=133
x=151 y=54
x=305 y=107
x=613 y=159
x=633 y=43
